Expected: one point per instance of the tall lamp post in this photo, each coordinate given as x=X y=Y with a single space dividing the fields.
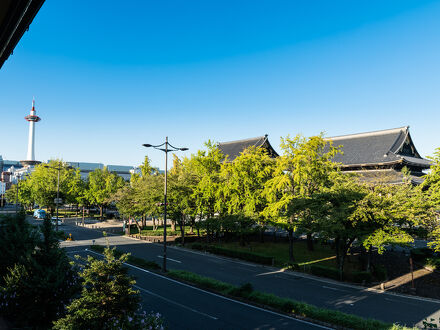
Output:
x=58 y=168
x=165 y=147
x=16 y=197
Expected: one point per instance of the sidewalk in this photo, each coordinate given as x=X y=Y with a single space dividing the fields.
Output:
x=111 y=225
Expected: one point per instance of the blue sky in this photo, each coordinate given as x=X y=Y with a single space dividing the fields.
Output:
x=109 y=76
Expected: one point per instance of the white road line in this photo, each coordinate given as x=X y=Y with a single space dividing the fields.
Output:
x=398 y=301
x=335 y=289
x=221 y=297
x=77 y=251
x=179 y=262
x=175 y=303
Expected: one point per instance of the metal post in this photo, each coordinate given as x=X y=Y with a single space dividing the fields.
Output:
x=58 y=194
x=168 y=148
x=16 y=198
x=164 y=266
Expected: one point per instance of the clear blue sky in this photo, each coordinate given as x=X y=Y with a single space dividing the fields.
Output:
x=110 y=75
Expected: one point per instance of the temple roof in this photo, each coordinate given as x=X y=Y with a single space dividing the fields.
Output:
x=387 y=176
x=233 y=149
x=379 y=148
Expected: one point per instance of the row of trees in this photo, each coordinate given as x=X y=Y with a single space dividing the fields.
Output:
x=40 y=187
x=302 y=192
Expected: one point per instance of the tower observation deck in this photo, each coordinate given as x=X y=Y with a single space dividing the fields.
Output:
x=32 y=118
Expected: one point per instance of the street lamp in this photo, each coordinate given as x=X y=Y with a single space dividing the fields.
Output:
x=16 y=196
x=165 y=147
x=57 y=201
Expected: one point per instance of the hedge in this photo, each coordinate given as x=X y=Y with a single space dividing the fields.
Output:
x=249 y=256
x=329 y=272
x=246 y=292
x=380 y=272
x=420 y=254
x=283 y=304
x=360 y=277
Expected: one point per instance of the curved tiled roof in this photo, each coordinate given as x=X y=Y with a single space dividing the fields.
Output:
x=233 y=149
x=379 y=148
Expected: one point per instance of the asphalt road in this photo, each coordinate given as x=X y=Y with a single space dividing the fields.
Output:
x=187 y=307
x=320 y=292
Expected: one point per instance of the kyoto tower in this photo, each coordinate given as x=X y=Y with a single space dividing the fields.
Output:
x=32 y=118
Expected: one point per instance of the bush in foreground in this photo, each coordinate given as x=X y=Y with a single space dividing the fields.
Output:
x=108 y=300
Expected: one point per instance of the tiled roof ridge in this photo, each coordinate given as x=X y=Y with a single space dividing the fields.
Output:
x=258 y=138
x=366 y=134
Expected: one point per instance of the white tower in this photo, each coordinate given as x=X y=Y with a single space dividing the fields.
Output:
x=32 y=118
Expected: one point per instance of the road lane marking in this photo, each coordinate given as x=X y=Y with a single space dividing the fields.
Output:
x=171 y=259
x=77 y=251
x=335 y=289
x=220 y=296
x=271 y=273
x=175 y=303
x=397 y=301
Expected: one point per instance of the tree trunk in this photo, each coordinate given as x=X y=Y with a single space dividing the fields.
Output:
x=310 y=242
x=291 y=257
x=138 y=226
x=191 y=228
x=198 y=225
x=100 y=212
x=369 y=259
x=154 y=223
x=182 y=228
x=83 y=216
x=173 y=225
x=262 y=233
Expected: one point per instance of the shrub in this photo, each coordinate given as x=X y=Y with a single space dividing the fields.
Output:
x=108 y=300
x=197 y=246
x=283 y=304
x=359 y=277
x=380 y=272
x=249 y=256
x=329 y=272
x=433 y=262
x=243 y=290
x=420 y=254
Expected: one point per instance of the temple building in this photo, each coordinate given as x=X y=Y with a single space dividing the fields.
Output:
x=381 y=155
x=233 y=149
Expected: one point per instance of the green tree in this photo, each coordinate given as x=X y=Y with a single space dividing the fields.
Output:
x=182 y=203
x=207 y=165
x=108 y=300
x=38 y=288
x=304 y=169
x=18 y=240
x=242 y=186
x=431 y=193
x=25 y=197
x=102 y=184
x=43 y=183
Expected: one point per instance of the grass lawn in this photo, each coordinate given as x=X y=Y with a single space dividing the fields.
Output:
x=322 y=254
x=148 y=231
